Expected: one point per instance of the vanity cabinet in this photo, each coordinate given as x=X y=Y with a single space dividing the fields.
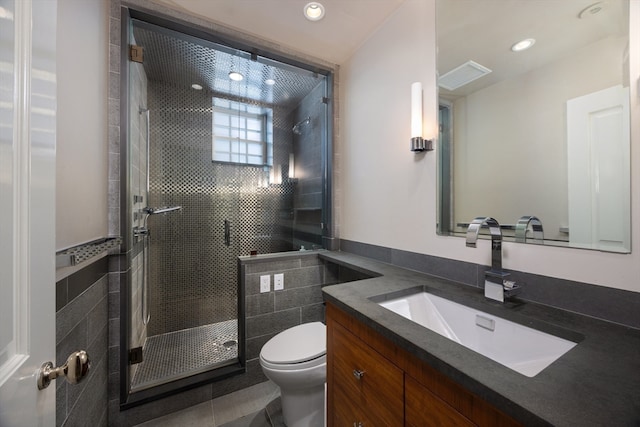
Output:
x=367 y=386
x=373 y=382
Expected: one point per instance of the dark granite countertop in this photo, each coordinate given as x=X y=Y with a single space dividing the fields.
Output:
x=597 y=383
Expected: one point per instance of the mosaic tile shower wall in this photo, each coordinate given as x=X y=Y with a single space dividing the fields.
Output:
x=194 y=272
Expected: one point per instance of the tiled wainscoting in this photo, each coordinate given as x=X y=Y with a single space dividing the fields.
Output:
x=81 y=324
x=82 y=305
x=269 y=313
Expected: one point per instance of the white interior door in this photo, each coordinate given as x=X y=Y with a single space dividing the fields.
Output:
x=599 y=170
x=27 y=227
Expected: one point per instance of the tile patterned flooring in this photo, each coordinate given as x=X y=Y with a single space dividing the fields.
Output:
x=186 y=352
x=256 y=406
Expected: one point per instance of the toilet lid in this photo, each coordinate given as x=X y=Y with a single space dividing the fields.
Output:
x=298 y=344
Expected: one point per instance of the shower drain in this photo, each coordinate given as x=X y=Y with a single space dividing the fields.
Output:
x=230 y=344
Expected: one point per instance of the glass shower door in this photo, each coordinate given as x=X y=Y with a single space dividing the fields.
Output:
x=267 y=195
x=192 y=283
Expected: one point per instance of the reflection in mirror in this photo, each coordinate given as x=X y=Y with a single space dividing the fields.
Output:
x=538 y=132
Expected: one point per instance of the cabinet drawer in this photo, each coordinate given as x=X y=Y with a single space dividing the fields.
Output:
x=368 y=379
x=425 y=409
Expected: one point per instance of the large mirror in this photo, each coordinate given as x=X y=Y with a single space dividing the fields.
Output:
x=540 y=132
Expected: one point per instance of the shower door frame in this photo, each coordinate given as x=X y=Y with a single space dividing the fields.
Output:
x=130 y=248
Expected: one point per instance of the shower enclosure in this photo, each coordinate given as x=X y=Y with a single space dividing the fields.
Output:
x=215 y=165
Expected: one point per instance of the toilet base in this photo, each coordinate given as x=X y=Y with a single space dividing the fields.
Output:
x=303 y=408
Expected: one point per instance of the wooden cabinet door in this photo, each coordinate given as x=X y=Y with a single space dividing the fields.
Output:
x=367 y=379
x=425 y=409
x=348 y=413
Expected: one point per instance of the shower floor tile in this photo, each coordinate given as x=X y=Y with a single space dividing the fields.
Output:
x=174 y=355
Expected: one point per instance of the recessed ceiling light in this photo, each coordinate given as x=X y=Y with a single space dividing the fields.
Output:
x=313 y=11
x=236 y=77
x=523 y=45
x=196 y=86
x=270 y=82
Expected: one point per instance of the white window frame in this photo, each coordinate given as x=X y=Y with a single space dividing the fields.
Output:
x=237 y=134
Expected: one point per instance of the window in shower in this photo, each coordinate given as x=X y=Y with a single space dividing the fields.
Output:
x=242 y=133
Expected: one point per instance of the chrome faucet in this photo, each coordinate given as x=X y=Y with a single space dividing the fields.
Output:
x=496 y=285
x=496 y=238
x=523 y=225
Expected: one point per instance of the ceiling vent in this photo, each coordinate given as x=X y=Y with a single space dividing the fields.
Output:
x=462 y=75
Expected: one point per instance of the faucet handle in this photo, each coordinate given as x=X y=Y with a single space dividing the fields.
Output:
x=509 y=284
x=511 y=288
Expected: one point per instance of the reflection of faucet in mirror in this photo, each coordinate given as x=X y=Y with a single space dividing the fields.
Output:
x=522 y=227
x=496 y=287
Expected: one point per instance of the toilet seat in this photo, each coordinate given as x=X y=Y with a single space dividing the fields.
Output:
x=298 y=367
x=301 y=346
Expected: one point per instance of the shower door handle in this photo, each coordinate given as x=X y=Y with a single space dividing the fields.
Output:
x=227 y=233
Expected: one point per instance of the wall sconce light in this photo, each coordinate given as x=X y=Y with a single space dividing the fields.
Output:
x=417 y=142
x=276 y=177
x=292 y=167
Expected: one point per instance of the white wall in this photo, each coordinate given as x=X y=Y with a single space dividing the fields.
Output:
x=388 y=194
x=81 y=169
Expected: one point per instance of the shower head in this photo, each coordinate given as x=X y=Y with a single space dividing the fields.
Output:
x=297 y=126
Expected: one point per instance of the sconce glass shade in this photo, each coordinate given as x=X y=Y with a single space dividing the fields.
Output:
x=292 y=167
x=277 y=175
x=417 y=142
x=416 y=110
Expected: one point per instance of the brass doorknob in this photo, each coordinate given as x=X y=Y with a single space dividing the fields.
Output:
x=74 y=370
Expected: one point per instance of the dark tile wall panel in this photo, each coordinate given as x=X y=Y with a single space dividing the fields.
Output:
x=457 y=271
x=270 y=313
x=379 y=253
x=82 y=324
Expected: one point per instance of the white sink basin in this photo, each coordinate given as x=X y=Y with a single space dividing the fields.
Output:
x=523 y=349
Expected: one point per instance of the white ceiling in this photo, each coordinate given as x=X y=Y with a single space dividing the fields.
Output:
x=346 y=26
x=479 y=30
x=484 y=31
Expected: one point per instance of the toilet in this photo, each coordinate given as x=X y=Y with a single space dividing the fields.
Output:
x=296 y=361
